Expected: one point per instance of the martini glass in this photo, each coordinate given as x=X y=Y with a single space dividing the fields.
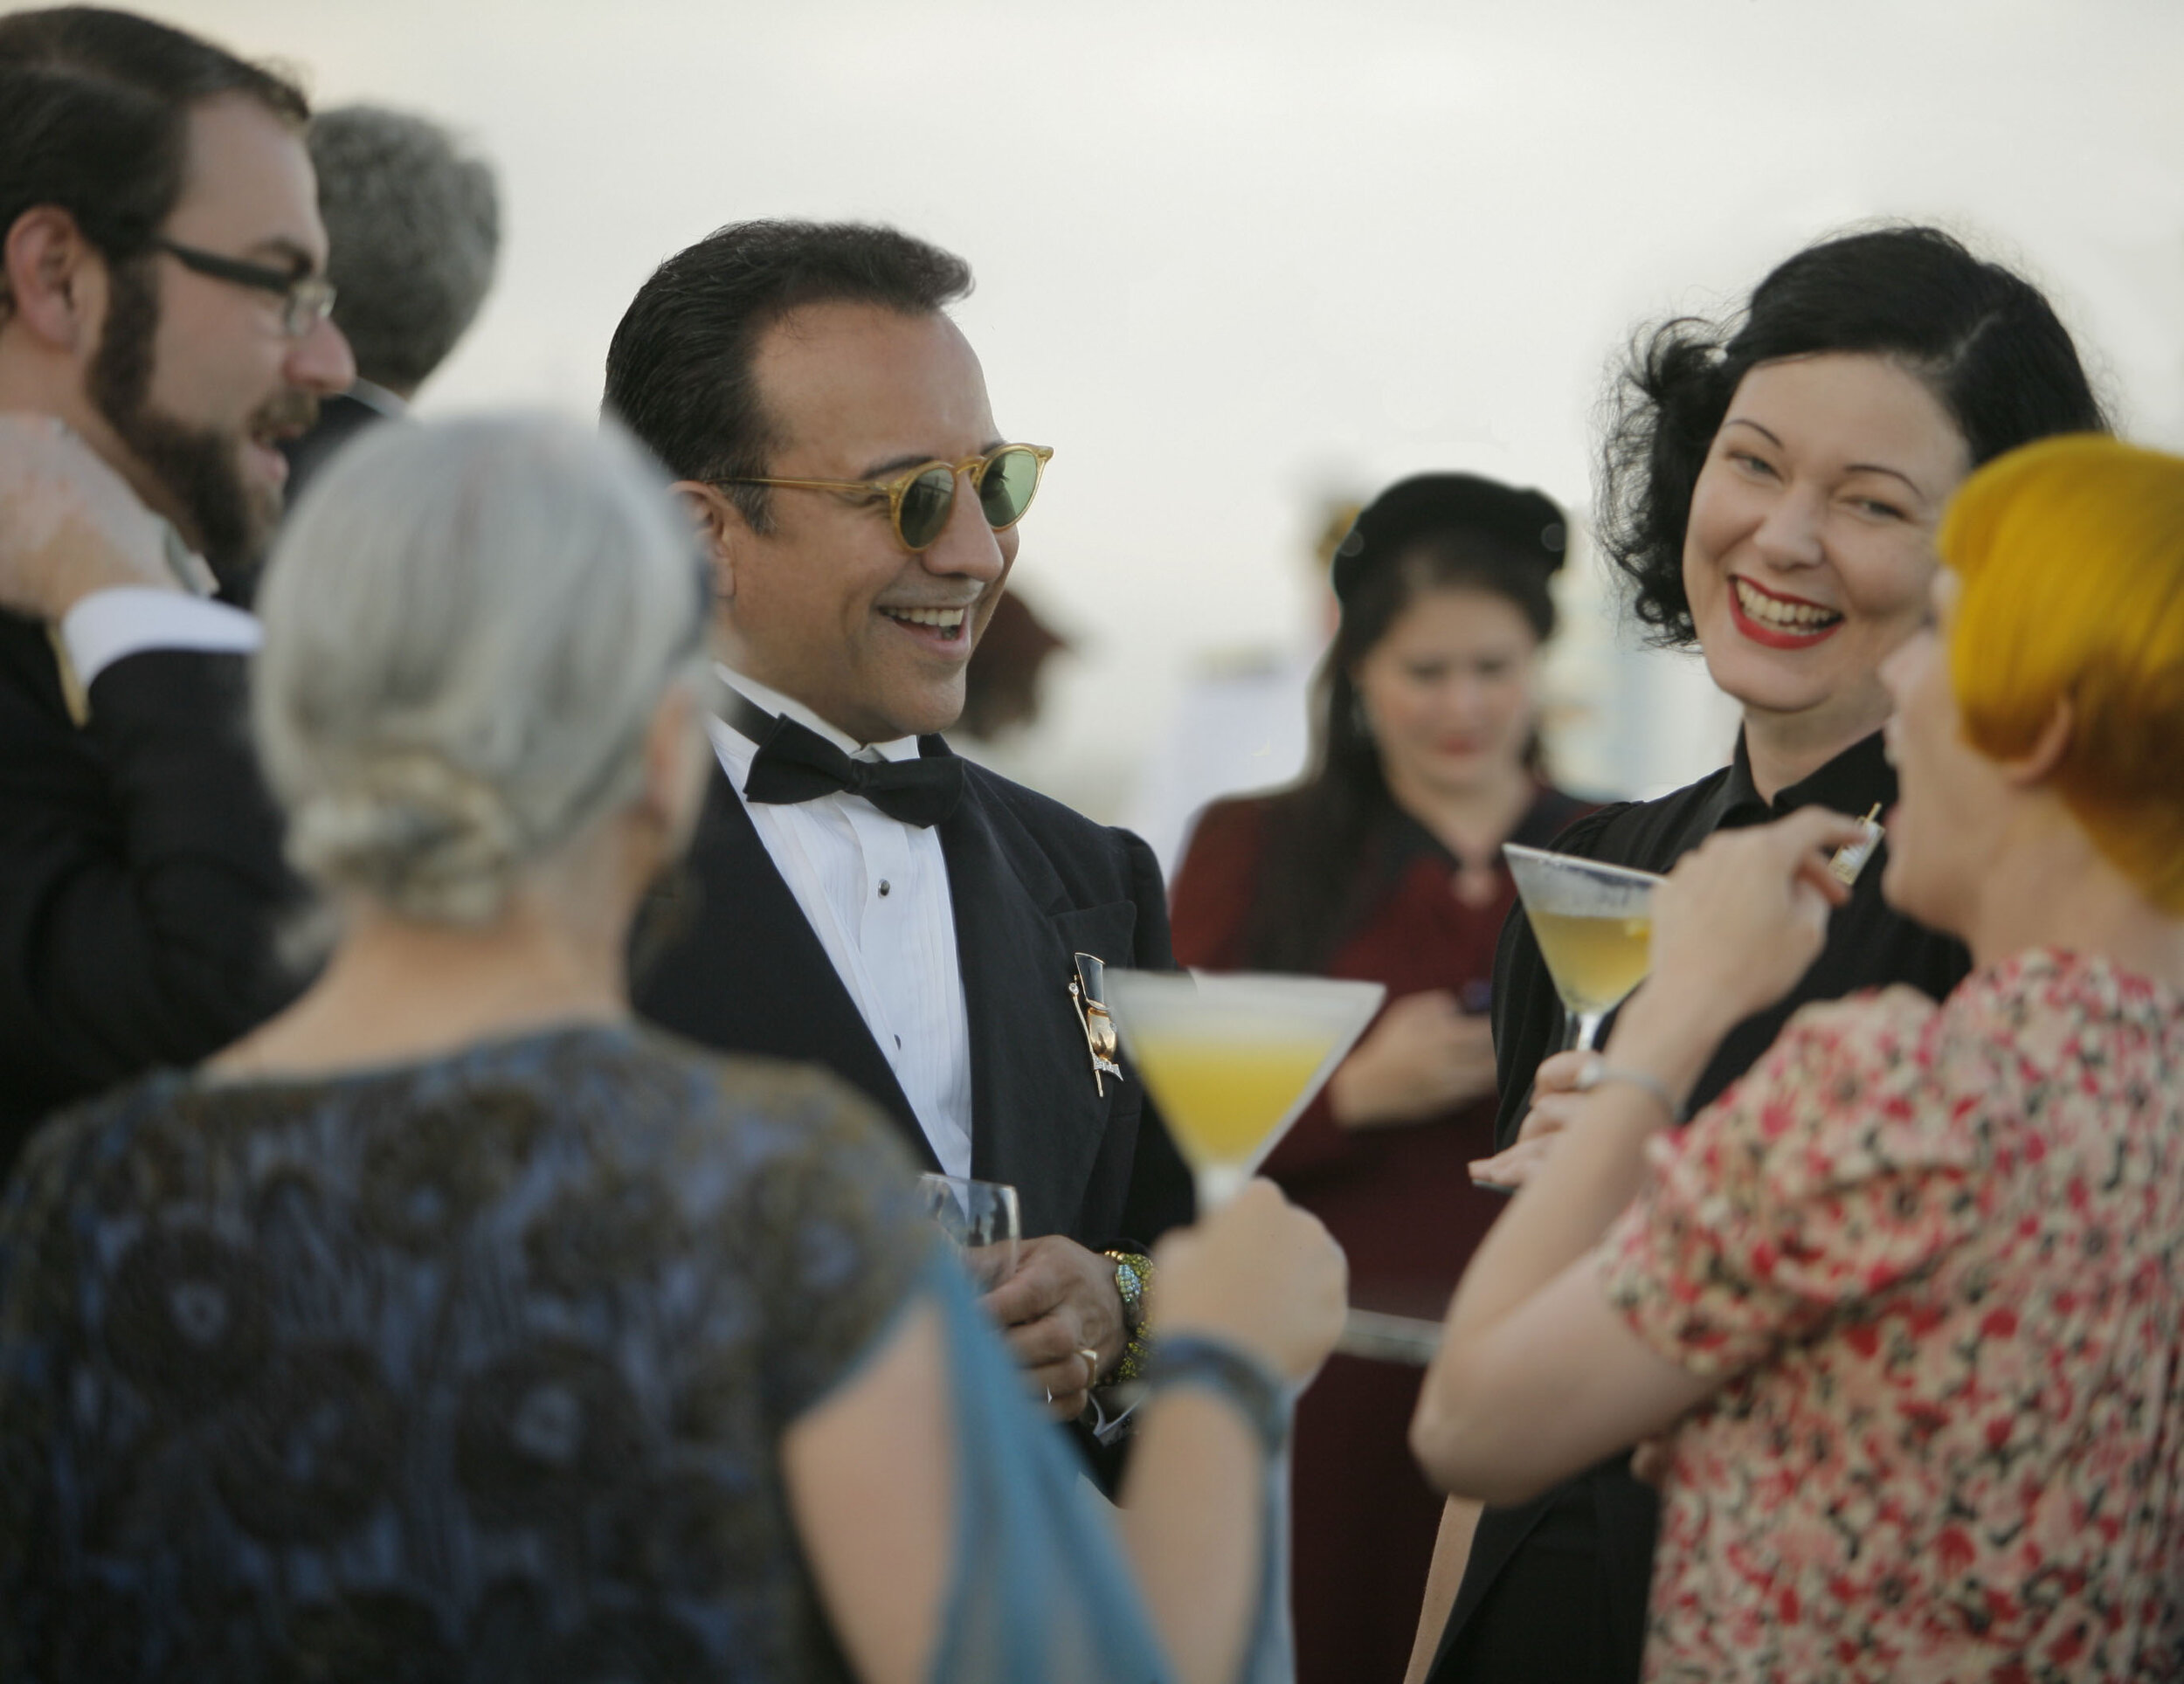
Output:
x=1234 y=1060
x=1594 y=925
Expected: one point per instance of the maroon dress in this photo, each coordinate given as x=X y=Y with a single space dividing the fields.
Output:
x=1400 y=1201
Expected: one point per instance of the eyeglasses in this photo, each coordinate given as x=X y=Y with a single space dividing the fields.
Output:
x=306 y=299
x=921 y=499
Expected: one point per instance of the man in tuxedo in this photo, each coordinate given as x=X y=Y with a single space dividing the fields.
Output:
x=414 y=224
x=163 y=328
x=864 y=899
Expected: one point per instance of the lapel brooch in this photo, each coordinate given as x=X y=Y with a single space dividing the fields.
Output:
x=1086 y=989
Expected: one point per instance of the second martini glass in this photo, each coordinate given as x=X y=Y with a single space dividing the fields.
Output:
x=1594 y=926
x=1234 y=1059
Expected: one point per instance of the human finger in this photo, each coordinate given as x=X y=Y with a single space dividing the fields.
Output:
x=1513 y=1166
x=1261 y=1270
x=1469 y=1035
x=1047 y=1342
x=1550 y=1115
x=1029 y=1293
x=1649 y=1461
x=1064 y=1403
x=1559 y=1073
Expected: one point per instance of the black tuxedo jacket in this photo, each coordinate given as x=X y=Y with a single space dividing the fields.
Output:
x=735 y=964
x=140 y=874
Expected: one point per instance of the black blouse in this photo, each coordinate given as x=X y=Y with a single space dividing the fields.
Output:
x=1869 y=944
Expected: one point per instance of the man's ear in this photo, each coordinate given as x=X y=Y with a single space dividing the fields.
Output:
x=721 y=527
x=2038 y=764
x=56 y=279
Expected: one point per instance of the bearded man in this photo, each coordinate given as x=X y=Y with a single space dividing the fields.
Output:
x=162 y=329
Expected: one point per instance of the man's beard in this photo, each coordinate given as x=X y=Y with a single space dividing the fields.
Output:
x=200 y=468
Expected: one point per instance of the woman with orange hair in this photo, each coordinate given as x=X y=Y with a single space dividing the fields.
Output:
x=1905 y=1306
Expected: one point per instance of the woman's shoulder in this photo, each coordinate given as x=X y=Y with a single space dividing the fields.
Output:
x=1217 y=882
x=1554 y=813
x=1646 y=834
x=768 y=1107
x=572 y=1102
x=1233 y=827
x=107 y=1130
x=1846 y=1090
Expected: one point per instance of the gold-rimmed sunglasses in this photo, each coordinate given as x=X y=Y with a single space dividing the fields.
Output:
x=921 y=499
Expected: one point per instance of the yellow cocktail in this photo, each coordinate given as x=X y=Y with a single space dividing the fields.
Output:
x=1595 y=962
x=1231 y=1060
x=1594 y=926
x=1221 y=1100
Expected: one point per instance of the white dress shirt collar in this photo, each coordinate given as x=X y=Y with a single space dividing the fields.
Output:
x=772 y=701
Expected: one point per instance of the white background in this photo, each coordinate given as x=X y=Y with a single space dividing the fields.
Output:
x=1296 y=247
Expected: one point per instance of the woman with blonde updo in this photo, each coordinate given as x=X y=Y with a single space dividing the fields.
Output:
x=1905 y=1306
x=450 y=1325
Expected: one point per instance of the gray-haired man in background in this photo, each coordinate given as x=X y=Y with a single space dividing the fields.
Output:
x=415 y=225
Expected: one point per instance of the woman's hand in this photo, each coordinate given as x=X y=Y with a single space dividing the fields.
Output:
x=1555 y=1099
x=72 y=527
x=1743 y=916
x=1424 y=1057
x=1260 y=1273
x=1740 y=919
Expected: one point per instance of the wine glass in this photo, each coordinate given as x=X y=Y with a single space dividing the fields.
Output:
x=1234 y=1059
x=981 y=1221
x=1594 y=926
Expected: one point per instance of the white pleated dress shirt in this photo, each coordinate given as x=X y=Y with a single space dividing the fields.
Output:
x=874 y=891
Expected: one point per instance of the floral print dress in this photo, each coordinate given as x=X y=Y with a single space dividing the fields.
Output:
x=1937 y=1255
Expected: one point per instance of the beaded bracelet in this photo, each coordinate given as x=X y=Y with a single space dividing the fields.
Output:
x=1192 y=1359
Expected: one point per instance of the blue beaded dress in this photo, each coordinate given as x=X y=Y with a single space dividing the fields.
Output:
x=477 y=1369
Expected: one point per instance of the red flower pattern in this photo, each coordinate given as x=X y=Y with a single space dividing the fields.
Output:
x=1936 y=1255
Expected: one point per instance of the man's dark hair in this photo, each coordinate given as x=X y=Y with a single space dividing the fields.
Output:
x=679 y=372
x=413 y=222
x=1983 y=339
x=94 y=110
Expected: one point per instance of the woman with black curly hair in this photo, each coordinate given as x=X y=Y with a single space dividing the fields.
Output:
x=1771 y=493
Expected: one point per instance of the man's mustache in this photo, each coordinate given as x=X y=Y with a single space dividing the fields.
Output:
x=288 y=412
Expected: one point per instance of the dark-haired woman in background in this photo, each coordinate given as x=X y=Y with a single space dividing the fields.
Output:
x=1771 y=494
x=1386 y=864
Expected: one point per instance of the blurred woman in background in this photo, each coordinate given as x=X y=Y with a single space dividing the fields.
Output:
x=1909 y=1302
x=1771 y=494
x=450 y=1325
x=1385 y=864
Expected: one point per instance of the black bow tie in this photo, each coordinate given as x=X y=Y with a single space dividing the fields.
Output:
x=796 y=763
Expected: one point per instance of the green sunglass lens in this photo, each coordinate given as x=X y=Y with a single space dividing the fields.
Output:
x=1005 y=490
x=925 y=505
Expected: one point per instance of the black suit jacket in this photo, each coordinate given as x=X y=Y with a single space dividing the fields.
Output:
x=141 y=874
x=736 y=965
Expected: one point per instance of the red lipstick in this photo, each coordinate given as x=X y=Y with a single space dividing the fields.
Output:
x=1778 y=637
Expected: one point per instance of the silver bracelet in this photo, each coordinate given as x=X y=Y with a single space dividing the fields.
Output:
x=1601 y=1070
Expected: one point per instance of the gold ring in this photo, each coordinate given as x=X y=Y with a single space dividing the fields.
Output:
x=1091 y=1365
